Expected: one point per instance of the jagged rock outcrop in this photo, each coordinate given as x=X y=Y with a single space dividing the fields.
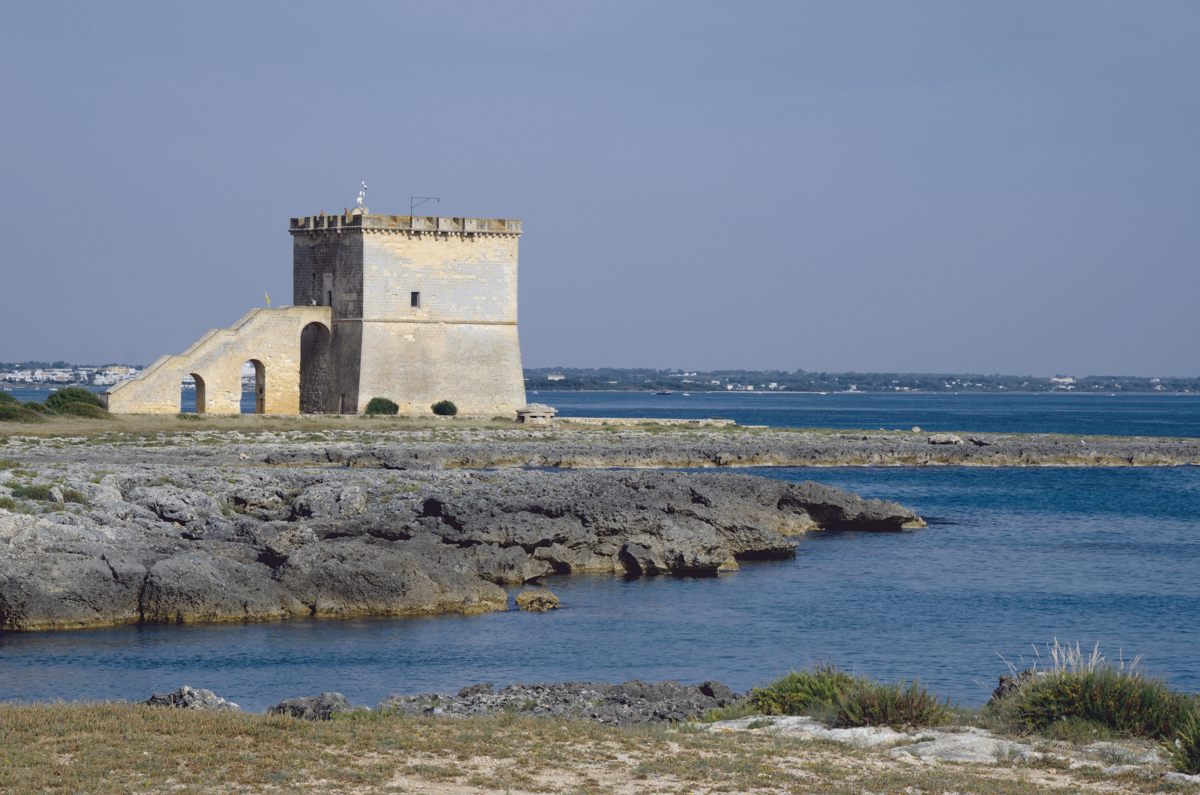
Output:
x=322 y=707
x=191 y=698
x=158 y=544
x=537 y=600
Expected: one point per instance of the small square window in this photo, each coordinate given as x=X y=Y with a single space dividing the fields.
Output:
x=414 y=299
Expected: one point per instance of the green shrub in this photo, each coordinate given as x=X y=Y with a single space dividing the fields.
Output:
x=867 y=703
x=1124 y=701
x=8 y=504
x=42 y=493
x=1086 y=694
x=444 y=408
x=1184 y=747
x=32 y=492
x=40 y=408
x=380 y=405
x=73 y=394
x=7 y=398
x=19 y=412
x=836 y=697
x=8 y=463
x=71 y=495
x=813 y=693
x=84 y=410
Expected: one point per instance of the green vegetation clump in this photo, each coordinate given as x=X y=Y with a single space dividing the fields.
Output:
x=19 y=412
x=1087 y=695
x=6 y=398
x=444 y=408
x=1124 y=702
x=73 y=394
x=868 y=703
x=42 y=493
x=8 y=503
x=32 y=492
x=840 y=699
x=85 y=410
x=72 y=495
x=813 y=693
x=380 y=405
x=8 y=463
x=1184 y=747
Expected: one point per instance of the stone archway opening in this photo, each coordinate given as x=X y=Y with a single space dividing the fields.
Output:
x=191 y=394
x=254 y=387
x=316 y=388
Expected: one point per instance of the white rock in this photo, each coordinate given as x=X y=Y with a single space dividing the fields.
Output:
x=968 y=745
x=1181 y=778
x=800 y=726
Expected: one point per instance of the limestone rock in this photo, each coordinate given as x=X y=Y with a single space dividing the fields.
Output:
x=1182 y=778
x=945 y=438
x=322 y=707
x=1011 y=684
x=191 y=698
x=252 y=543
x=969 y=745
x=538 y=600
x=810 y=728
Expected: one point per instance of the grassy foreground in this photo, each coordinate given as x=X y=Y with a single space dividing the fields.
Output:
x=117 y=748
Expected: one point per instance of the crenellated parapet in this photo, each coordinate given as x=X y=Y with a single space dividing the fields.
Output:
x=404 y=223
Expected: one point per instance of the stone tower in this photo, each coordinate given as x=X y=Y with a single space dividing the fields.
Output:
x=409 y=308
x=422 y=309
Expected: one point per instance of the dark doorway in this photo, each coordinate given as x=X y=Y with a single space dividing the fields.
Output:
x=315 y=384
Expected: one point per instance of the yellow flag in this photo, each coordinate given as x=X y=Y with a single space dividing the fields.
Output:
x=268 y=296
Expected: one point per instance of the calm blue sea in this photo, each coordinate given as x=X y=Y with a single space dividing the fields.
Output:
x=1125 y=415
x=1012 y=558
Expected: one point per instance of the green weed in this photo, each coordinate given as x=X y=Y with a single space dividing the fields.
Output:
x=867 y=703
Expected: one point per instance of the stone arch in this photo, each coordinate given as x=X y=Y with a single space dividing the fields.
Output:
x=315 y=383
x=260 y=387
x=198 y=382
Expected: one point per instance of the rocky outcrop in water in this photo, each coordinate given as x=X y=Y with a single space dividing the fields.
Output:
x=537 y=600
x=625 y=704
x=150 y=543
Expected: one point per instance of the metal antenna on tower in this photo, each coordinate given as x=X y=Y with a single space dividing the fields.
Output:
x=416 y=201
x=361 y=201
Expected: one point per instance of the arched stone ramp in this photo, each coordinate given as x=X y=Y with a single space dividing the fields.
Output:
x=271 y=337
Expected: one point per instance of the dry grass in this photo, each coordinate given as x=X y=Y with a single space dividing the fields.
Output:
x=58 y=748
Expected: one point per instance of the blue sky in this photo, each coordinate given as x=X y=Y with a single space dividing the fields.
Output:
x=997 y=187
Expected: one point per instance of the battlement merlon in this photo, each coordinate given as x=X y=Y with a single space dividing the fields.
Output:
x=404 y=223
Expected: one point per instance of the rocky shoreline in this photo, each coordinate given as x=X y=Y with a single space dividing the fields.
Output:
x=84 y=546
x=220 y=525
